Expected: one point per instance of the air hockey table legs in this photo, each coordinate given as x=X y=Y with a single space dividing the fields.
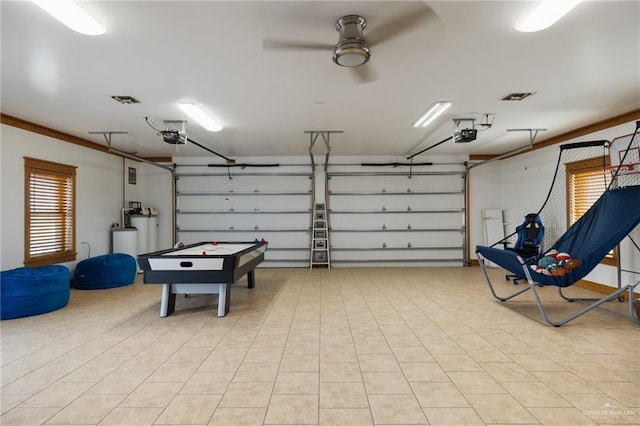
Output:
x=169 y=291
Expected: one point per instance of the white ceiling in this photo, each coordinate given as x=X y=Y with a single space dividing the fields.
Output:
x=584 y=69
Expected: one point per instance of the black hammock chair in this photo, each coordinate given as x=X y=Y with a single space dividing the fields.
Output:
x=584 y=244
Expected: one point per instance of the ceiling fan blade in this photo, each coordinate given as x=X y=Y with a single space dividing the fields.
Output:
x=275 y=44
x=364 y=73
x=398 y=24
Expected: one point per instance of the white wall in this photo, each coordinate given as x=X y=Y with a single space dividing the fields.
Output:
x=484 y=192
x=100 y=191
x=154 y=189
x=518 y=185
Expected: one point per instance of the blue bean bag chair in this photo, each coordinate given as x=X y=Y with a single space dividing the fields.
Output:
x=105 y=271
x=33 y=291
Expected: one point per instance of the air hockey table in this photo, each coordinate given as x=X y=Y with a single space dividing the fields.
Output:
x=201 y=268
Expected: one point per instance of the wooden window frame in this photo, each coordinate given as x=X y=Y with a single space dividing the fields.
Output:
x=61 y=171
x=588 y=165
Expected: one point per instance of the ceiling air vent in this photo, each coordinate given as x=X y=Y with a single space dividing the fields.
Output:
x=126 y=99
x=517 y=96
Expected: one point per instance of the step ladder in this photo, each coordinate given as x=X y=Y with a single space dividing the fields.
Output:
x=320 y=256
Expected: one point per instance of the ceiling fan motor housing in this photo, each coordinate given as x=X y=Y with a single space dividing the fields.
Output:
x=352 y=50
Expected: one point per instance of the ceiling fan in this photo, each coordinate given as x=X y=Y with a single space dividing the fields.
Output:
x=353 y=50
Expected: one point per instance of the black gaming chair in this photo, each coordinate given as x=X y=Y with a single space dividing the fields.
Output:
x=529 y=242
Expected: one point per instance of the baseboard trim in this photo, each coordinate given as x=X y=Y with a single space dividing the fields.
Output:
x=600 y=288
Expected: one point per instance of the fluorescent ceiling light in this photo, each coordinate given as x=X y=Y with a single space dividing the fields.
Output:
x=433 y=113
x=72 y=15
x=545 y=14
x=200 y=116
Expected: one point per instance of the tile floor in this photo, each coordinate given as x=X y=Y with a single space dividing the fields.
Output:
x=328 y=347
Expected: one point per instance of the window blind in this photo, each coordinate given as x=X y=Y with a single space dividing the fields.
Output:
x=585 y=188
x=49 y=212
x=586 y=182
